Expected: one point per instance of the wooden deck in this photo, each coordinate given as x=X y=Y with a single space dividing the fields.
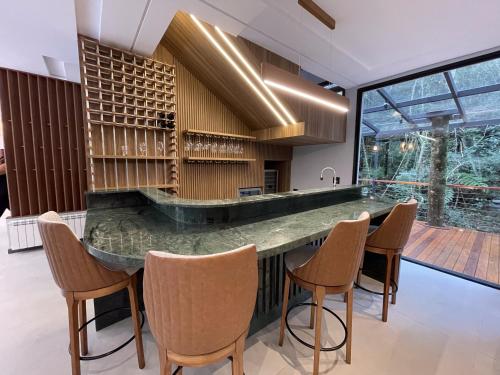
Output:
x=473 y=254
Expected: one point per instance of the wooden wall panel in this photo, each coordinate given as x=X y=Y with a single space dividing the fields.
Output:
x=199 y=108
x=43 y=135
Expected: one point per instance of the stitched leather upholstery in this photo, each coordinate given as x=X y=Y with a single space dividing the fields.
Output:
x=73 y=268
x=337 y=260
x=200 y=304
x=395 y=230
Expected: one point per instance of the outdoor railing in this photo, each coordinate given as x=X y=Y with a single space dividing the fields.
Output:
x=474 y=207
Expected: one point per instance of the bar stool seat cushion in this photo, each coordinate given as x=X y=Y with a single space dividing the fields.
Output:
x=298 y=257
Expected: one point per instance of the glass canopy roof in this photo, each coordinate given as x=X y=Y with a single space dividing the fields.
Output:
x=470 y=94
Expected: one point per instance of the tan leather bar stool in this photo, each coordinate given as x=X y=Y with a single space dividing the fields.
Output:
x=81 y=278
x=199 y=307
x=329 y=270
x=389 y=239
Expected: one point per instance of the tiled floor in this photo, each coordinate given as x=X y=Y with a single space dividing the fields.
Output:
x=441 y=325
x=468 y=252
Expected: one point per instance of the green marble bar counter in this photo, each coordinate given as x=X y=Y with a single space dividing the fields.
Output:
x=122 y=226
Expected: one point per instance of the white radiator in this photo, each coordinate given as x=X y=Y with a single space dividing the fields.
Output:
x=23 y=231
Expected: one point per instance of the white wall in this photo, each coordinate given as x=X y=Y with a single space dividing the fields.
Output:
x=309 y=160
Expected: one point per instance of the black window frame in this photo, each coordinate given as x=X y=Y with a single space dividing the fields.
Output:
x=404 y=78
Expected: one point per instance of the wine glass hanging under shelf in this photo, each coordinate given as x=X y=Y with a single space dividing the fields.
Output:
x=130 y=109
x=213 y=147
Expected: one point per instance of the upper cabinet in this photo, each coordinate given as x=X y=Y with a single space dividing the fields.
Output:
x=233 y=69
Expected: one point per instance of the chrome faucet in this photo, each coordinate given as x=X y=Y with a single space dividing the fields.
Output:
x=334 y=175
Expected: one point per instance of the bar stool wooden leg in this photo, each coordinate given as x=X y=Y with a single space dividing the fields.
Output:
x=73 y=333
x=83 y=333
x=238 y=356
x=397 y=261
x=387 y=285
x=311 y=318
x=320 y=297
x=165 y=364
x=349 y=326
x=134 y=308
x=284 y=309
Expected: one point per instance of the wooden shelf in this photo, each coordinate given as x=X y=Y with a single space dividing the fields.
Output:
x=132 y=157
x=122 y=114
x=222 y=135
x=125 y=104
x=131 y=75
x=130 y=126
x=92 y=53
x=195 y=159
x=125 y=91
x=157 y=87
x=135 y=96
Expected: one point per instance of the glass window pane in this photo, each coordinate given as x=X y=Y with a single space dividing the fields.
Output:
x=477 y=75
x=420 y=110
x=372 y=99
x=419 y=88
x=386 y=120
x=366 y=131
x=402 y=152
x=482 y=107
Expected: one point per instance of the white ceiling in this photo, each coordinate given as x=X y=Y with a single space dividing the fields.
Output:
x=373 y=39
x=32 y=29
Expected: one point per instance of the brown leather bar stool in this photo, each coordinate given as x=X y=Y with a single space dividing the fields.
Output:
x=199 y=307
x=80 y=278
x=329 y=270
x=389 y=239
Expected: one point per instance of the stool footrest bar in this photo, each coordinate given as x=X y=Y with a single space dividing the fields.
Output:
x=99 y=356
x=328 y=349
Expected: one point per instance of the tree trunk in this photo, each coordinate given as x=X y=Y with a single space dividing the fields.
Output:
x=437 y=177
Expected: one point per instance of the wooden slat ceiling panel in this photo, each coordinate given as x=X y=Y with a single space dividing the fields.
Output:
x=190 y=46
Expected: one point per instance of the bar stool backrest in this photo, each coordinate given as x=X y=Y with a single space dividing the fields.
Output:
x=337 y=261
x=395 y=230
x=73 y=268
x=200 y=304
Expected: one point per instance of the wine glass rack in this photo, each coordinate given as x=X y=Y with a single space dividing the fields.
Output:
x=207 y=155
x=127 y=98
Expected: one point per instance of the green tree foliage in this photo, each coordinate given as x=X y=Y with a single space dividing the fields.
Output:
x=473 y=161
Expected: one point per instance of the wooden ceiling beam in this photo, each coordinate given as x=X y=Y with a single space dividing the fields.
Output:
x=318 y=12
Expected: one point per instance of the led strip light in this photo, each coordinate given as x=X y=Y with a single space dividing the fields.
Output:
x=255 y=75
x=238 y=69
x=305 y=95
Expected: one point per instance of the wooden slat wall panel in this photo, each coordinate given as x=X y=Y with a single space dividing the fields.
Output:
x=19 y=169
x=9 y=140
x=43 y=136
x=37 y=143
x=199 y=108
